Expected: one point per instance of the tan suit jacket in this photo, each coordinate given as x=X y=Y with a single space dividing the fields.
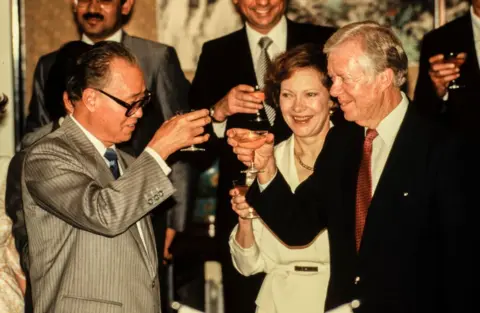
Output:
x=86 y=254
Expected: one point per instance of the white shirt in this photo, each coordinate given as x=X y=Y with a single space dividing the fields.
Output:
x=117 y=37
x=100 y=147
x=278 y=34
x=382 y=144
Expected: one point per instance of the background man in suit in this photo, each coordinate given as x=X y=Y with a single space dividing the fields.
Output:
x=458 y=106
x=91 y=241
x=392 y=192
x=103 y=20
x=228 y=69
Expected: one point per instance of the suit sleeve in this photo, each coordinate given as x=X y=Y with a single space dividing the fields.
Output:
x=456 y=201
x=61 y=185
x=14 y=208
x=38 y=114
x=425 y=96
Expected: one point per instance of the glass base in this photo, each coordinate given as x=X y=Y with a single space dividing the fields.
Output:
x=251 y=215
x=251 y=171
x=454 y=86
x=192 y=148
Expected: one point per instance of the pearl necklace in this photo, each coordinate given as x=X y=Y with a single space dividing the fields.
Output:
x=305 y=166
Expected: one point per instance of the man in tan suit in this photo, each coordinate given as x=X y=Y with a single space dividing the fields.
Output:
x=91 y=245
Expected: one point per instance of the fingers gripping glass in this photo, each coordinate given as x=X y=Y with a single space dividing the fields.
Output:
x=192 y=148
x=133 y=107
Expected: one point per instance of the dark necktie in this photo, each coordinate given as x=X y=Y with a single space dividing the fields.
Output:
x=112 y=158
x=263 y=64
x=364 y=187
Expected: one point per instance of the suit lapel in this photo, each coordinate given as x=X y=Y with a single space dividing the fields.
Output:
x=471 y=67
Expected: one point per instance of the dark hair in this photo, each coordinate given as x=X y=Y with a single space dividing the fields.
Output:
x=3 y=105
x=61 y=70
x=93 y=67
x=283 y=66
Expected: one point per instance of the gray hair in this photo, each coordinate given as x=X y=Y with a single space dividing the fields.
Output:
x=382 y=48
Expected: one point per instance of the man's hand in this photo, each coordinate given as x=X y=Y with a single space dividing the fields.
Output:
x=179 y=132
x=240 y=99
x=442 y=73
x=169 y=236
x=259 y=151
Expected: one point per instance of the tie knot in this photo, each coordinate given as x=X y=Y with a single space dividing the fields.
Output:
x=265 y=42
x=111 y=155
x=371 y=134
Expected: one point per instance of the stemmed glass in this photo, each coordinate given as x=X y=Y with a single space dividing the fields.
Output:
x=242 y=186
x=258 y=117
x=192 y=148
x=457 y=58
x=250 y=136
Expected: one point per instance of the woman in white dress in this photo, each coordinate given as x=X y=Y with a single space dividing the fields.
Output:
x=12 y=280
x=297 y=278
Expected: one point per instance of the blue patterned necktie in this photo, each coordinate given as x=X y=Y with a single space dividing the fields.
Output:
x=112 y=158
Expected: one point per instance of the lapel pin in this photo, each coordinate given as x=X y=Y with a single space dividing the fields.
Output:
x=405 y=194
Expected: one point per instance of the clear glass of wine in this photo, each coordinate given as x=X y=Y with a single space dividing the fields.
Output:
x=258 y=116
x=242 y=186
x=457 y=58
x=192 y=148
x=251 y=136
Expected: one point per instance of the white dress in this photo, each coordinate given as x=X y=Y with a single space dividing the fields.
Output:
x=284 y=289
x=11 y=297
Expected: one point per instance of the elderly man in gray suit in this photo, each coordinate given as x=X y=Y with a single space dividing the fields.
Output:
x=101 y=20
x=86 y=203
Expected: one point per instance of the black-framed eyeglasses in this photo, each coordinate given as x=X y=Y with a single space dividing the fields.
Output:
x=133 y=107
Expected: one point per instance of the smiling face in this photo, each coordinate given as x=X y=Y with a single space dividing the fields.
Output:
x=305 y=103
x=126 y=83
x=359 y=93
x=99 y=19
x=261 y=15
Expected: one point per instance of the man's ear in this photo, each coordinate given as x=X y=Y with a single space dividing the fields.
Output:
x=67 y=103
x=386 y=78
x=127 y=7
x=89 y=99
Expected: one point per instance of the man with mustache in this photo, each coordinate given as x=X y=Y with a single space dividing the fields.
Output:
x=228 y=69
x=99 y=20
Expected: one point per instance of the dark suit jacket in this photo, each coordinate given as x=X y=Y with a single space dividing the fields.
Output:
x=413 y=256
x=164 y=77
x=225 y=63
x=461 y=109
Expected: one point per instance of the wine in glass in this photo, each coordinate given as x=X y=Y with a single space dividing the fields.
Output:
x=242 y=186
x=192 y=148
x=251 y=136
x=457 y=58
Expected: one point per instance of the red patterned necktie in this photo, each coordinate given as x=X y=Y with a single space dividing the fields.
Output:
x=364 y=187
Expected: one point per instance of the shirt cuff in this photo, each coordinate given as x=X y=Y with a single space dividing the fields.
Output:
x=219 y=128
x=262 y=187
x=163 y=165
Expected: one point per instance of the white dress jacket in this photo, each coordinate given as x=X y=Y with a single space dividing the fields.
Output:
x=285 y=290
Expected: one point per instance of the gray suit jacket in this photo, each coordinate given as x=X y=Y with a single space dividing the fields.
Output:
x=164 y=77
x=86 y=254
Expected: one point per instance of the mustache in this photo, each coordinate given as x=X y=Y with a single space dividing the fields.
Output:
x=93 y=15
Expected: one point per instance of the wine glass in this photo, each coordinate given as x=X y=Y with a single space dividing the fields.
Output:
x=242 y=186
x=192 y=148
x=250 y=136
x=457 y=58
x=258 y=117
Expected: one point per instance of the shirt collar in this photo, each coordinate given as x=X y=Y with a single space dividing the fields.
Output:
x=475 y=24
x=116 y=37
x=99 y=146
x=278 y=34
x=389 y=126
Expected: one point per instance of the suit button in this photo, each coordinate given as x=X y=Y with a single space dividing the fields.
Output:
x=357 y=280
x=153 y=284
x=160 y=193
x=355 y=304
x=150 y=201
x=156 y=197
